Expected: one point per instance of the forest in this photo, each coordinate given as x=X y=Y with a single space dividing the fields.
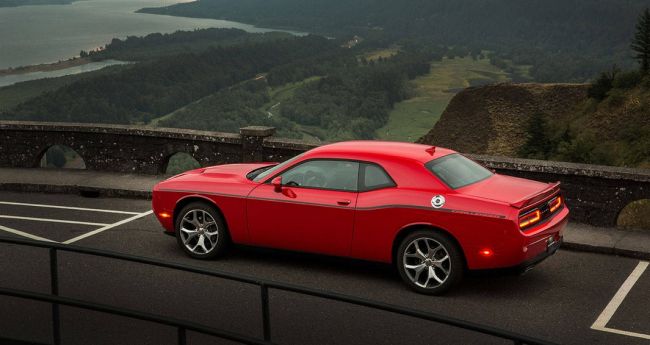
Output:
x=562 y=40
x=156 y=45
x=347 y=100
x=153 y=88
x=223 y=79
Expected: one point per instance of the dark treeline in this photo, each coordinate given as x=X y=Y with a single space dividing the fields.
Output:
x=155 y=88
x=135 y=48
x=355 y=102
x=319 y=65
x=348 y=100
x=564 y=40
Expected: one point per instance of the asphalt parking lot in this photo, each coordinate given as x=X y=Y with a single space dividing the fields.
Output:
x=572 y=298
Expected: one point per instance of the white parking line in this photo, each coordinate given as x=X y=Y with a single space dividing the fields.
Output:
x=24 y=234
x=109 y=226
x=52 y=220
x=65 y=207
x=608 y=312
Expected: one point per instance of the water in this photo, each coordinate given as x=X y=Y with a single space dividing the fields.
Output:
x=42 y=34
x=17 y=78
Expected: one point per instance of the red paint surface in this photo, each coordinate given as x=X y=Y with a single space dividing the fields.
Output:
x=365 y=225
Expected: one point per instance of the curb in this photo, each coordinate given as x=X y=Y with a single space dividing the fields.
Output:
x=587 y=248
x=86 y=191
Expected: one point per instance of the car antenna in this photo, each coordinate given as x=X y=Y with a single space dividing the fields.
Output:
x=431 y=150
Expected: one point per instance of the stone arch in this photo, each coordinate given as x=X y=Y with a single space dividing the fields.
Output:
x=636 y=214
x=60 y=157
x=179 y=162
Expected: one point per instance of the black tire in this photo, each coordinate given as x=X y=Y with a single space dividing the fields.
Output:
x=452 y=269
x=213 y=245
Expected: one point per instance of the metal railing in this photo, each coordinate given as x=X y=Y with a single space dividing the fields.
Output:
x=183 y=326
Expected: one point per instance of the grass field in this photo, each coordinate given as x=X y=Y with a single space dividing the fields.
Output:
x=280 y=93
x=381 y=53
x=414 y=117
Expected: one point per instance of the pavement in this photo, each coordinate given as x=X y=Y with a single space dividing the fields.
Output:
x=630 y=243
x=72 y=181
x=573 y=297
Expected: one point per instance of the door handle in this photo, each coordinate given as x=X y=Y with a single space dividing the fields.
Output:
x=343 y=202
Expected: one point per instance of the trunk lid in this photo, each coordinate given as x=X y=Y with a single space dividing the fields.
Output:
x=515 y=191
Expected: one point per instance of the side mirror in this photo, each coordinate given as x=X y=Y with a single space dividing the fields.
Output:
x=277 y=184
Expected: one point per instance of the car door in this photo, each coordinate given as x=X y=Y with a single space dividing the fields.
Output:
x=313 y=211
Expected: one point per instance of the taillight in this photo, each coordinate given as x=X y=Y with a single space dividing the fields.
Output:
x=555 y=204
x=530 y=218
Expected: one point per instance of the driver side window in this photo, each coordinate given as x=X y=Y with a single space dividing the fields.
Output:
x=324 y=174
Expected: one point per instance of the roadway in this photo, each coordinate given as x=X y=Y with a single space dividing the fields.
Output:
x=572 y=298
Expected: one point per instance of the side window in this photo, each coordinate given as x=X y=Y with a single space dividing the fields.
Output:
x=324 y=174
x=375 y=177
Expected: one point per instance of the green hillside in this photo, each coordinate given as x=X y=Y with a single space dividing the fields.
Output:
x=562 y=40
x=414 y=117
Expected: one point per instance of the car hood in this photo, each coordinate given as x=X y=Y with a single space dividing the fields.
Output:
x=505 y=189
x=231 y=173
x=231 y=170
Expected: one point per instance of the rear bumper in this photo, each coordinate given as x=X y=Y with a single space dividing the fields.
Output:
x=523 y=250
x=532 y=262
x=540 y=243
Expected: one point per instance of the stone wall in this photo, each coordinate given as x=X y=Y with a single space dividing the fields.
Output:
x=595 y=194
x=135 y=149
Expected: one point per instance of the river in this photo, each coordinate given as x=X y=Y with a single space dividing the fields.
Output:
x=32 y=35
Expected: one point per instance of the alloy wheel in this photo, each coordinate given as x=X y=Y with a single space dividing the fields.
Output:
x=199 y=232
x=426 y=262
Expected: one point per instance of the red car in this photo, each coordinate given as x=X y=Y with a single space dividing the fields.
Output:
x=429 y=210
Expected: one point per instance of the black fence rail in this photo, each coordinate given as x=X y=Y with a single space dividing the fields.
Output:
x=183 y=326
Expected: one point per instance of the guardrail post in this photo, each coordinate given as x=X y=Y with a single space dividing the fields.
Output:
x=266 y=321
x=182 y=336
x=54 y=289
x=252 y=138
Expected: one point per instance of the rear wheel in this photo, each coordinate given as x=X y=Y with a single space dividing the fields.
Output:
x=200 y=231
x=430 y=262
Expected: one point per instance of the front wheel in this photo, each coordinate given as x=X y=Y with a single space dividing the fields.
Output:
x=430 y=262
x=200 y=231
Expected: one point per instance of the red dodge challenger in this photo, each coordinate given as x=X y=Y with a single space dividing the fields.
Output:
x=430 y=211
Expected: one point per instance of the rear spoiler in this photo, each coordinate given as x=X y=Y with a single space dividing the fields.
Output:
x=535 y=197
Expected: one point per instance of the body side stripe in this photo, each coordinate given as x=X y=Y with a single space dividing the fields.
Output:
x=369 y=208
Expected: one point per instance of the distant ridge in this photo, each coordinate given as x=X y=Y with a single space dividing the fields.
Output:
x=494 y=119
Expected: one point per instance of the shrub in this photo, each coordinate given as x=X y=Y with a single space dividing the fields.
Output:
x=538 y=145
x=627 y=80
x=601 y=86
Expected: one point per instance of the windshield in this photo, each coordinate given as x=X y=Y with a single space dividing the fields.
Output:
x=278 y=167
x=457 y=171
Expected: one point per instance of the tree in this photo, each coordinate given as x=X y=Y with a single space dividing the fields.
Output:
x=601 y=86
x=641 y=41
x=538 y=145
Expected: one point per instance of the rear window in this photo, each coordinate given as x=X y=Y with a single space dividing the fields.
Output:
x=457 y=171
